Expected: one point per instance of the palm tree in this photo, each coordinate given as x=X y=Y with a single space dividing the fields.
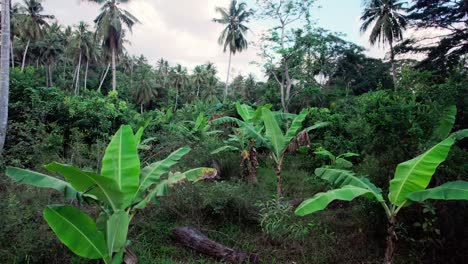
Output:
x=110 y=30
x=53 y=46
x=32 y=23
x=82 y=43
x=389 y=22
x=232 y=38
x=250 y=86
x=163 y=71
x=180 y=80
x=4 y=71
x=146 y=90
x=199 y=77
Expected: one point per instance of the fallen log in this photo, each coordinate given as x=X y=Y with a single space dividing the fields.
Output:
x=194 y=239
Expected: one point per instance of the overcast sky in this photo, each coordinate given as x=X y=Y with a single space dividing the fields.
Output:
x=182 y=31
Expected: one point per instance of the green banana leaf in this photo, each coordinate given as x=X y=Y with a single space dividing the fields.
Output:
x=342 y=178
x=104 y=189
x=152 y=173
x=415 y=174
x=250 y=130
x=245 y=111
x=117 y=229
x=77 y=231
x=445 y=124
x=41 y=180
x=121 y=162
x=273 y=133
x=321 y=200
x=296 y=126
x=457 y=190
x=223 y=149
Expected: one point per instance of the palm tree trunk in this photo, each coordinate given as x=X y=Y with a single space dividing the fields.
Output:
x=12 y=54
x=141 y=108
x=78 y=68
x=24 y=55
x=176 y=99
x=227 y=78
x=51 y=82
x=104 y=77
x=392 y=61
x=114 y=77
x=86 y=75
x=4 y=71
x=198 y=91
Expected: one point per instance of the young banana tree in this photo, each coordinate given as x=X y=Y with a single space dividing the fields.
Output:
x=340 y=161
x=246 y=139
x=278 y=142
x=120 y=190
x=408 y=186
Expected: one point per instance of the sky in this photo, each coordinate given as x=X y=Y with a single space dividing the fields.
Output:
x=182 y=31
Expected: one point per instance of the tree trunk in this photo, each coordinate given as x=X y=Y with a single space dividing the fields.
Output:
x=12 y=55
x=198 y=91
x=391 y=241
x=86 y=75
x=176 y=99
x=141 y=108
x=392 y=62
x=51 y=82
x=279 y=191
x=227 y=78
x=288 y=88
x=114 y=77
x=103 y=78
x=23 y=64
x=253 y=165
x=194 y=239
x=4 y=71
x=78 y=69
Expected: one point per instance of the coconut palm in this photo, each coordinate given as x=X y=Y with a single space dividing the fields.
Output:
x=199 y=77
x=387 y=19
x=163 y=72
x=180 y=80
x=145 y=91
x=52 y=47
x=110 y=30
x=32 y=23
x=82 y=43
x=4 y=71
x=232 y=38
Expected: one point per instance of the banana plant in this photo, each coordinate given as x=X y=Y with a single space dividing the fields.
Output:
x=120 y=190
x=279 y=142
x=340 y=161
x=408 y=186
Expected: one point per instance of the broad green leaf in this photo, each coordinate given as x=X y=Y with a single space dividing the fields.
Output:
x=250 y=130
x=342 y=178
x=152 y=173
x=103 y=188
x=138 y=135
x=77 y=231
x=296 y=125
x=273 y=133
x=343 y=163
x=245 y=111
x=348 y=155
x=415 y=174
x=41 y=180
x=445 y=124
x=457 y=190
x=118 y=258
x=321 y=200
x=223 y=149
x=317 y=126
x=323 y=152
x=198 y=174
x=121 y=162
x=117 y=229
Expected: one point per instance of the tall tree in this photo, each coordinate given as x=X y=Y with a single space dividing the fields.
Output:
x=4 y=71
x=388 y=21
x=32 y=23
x=110 y=30
x=449 y=20
x=180 y=79
x=278 y=44
x=145 y=91
x=52 y=44
x=82 y=43
x=199 y=78
x=233 y=38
